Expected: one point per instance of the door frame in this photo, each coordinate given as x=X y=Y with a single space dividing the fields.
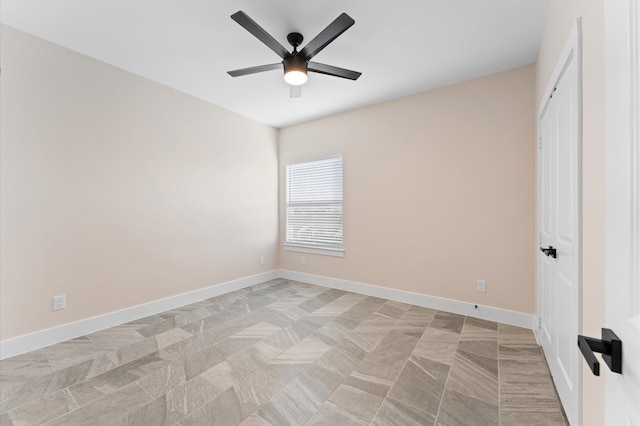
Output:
x=622 y=197
x=572 y=51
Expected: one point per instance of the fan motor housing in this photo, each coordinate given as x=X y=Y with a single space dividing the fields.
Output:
x=295 y=63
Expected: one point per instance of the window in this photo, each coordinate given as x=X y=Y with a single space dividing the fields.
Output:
x=314 y=207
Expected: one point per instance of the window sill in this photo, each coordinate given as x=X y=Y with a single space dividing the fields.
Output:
x=315 y=250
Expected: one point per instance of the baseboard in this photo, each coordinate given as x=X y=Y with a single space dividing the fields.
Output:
x=40 y=339
x=518 y=319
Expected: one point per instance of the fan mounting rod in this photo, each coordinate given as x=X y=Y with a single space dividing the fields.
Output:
x=295 y=39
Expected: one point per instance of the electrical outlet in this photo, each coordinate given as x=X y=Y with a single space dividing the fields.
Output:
x=262 y=260
x=59 y=302
x=481 y=286
x=303 y=261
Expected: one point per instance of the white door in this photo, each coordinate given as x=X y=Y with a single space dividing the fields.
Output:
x=622 y=211
x=559 y=227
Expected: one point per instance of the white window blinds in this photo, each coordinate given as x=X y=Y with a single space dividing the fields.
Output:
x=314 y=204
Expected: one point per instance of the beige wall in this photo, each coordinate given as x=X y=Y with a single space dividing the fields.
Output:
x=562 y=15
x=439 y=191
x=118 y=191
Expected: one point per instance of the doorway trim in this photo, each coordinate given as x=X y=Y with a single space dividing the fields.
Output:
x=572 y=51
x=622 y=204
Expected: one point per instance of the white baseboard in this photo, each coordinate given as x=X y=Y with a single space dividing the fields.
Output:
x=40 y=339
x=518 y=319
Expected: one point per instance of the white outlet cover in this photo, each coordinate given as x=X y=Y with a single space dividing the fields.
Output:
x=481 y=286
x=59 y=302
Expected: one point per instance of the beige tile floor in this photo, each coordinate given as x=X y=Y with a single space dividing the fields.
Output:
x=286 y=353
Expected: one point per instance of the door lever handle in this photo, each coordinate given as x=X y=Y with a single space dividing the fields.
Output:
x=610 y=346
x=549 y=251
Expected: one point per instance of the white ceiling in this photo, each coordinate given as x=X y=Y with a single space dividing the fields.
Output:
x=401 y=47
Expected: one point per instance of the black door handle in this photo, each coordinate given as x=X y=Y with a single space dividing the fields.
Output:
x=610 y=346
x=549 y=251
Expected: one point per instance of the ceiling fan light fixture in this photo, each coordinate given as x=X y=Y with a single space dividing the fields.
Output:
x=295 y=70
x=295 y=78
x=297 y=64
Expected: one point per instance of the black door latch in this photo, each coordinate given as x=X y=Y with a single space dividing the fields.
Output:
x=549 y=251
x=610 y=346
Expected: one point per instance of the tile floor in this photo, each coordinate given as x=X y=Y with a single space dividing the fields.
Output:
x=286 y=353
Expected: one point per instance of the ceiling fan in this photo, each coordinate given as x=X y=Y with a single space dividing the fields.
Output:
x=296 y=64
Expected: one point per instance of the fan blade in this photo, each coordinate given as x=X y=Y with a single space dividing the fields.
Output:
x=334 y=71
x=295 y=91
x=250 y=25
x=253 y=70
x=326 y=36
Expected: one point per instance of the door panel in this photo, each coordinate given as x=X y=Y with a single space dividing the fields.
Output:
x=565 y=342
x=559 y=201
x=545 y=304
